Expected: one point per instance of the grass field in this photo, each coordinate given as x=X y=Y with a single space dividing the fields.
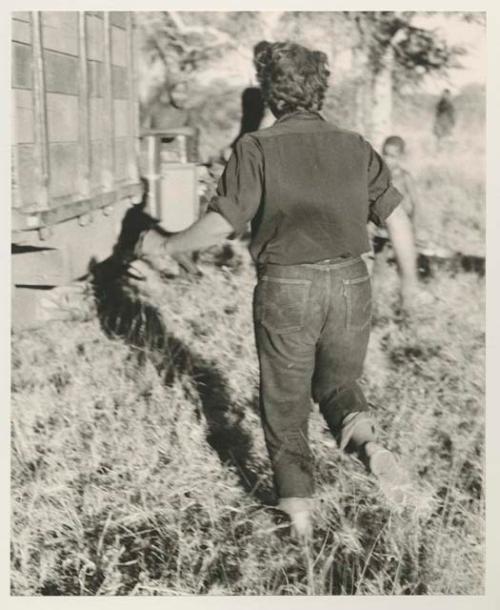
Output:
x=138 y=461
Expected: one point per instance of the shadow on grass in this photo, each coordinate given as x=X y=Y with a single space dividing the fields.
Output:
x=124 y=313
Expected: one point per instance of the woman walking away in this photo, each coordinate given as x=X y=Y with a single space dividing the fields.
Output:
x=308 y=188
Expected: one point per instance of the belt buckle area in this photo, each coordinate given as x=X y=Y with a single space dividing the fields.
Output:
x=337 y=259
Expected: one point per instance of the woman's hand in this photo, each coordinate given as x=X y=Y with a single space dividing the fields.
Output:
x=414 y=298
x=209 y=230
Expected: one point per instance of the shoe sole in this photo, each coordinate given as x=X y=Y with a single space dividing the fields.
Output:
x=392 y=479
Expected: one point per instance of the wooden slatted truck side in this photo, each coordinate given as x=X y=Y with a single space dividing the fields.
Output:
x=75 y=146
x=77 y=153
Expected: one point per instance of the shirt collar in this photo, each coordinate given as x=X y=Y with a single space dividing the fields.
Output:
x=301 y=114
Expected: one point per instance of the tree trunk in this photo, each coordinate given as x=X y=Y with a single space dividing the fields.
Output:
x=381 y=114
x=362 y=75
x=363 y=91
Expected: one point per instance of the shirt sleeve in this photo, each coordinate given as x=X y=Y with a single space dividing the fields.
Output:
x=239 y=191
x=382 y=195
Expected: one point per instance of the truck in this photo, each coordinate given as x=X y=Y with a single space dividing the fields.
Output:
x=77 y=154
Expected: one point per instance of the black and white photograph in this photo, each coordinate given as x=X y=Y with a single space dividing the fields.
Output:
x=248 y=305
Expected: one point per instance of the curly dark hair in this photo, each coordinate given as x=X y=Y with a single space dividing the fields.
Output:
x=291 y=76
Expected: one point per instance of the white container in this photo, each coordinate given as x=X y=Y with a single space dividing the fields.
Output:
x=178 y=205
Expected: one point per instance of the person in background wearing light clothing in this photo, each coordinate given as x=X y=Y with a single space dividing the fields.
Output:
x=393 y=153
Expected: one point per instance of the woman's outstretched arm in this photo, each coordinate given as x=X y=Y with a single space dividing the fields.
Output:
x=209 y=230
x=403 y=241
x=238 y=198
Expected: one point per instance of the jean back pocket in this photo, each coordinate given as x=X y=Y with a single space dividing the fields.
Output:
x=358 y=296
x=281 y=303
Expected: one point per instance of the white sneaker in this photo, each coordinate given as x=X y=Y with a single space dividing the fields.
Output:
x=302 y=526
x=300 y=512
x=391 y=476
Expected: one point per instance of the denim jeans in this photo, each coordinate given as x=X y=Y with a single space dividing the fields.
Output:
x=312 y=325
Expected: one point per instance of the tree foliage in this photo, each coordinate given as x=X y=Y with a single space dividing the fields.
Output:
x=417 y=51
x=183 y=46
x=185 y=42
x=172 y=48
x=371 y=54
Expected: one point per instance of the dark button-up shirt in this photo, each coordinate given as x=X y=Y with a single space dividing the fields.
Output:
x=308 y=188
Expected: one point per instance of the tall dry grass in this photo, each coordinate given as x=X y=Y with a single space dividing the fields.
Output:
x=139 y=465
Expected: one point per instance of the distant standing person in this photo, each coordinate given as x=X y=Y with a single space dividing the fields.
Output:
x=444 y=121
x=172 y=111
x=255 y=115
